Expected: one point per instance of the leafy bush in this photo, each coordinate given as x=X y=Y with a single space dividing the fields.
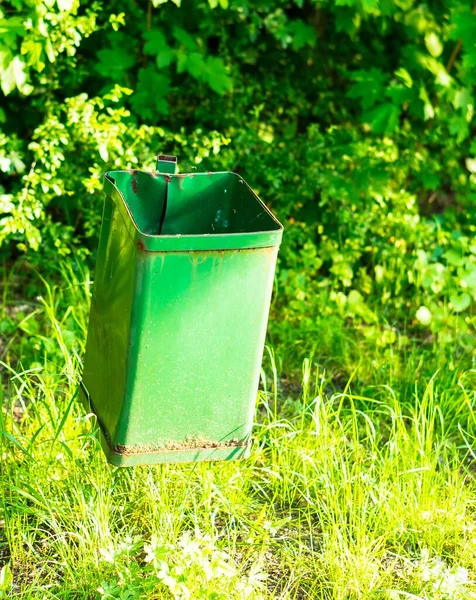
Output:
x=353 y=120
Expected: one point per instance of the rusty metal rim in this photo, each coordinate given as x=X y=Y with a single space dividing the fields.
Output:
x=124 y=450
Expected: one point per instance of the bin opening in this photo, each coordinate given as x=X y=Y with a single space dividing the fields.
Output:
x=192 y=204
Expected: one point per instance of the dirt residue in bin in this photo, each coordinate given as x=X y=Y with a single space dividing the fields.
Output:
x=190 y=443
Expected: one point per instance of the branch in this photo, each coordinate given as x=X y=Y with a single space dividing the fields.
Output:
x=453 y=56
x=457 y=49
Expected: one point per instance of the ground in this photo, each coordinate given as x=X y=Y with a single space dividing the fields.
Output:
x=357 y=488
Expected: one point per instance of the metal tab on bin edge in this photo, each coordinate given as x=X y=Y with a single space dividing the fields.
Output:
x=166 y=164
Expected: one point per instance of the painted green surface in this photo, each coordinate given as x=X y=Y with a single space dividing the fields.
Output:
x=178 y=319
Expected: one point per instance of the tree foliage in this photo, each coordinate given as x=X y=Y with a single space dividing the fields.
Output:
x=354 y=119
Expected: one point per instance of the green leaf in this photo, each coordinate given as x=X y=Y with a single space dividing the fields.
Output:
x=13 y=76
x=211 y=70
x=469 y=279
x=196 y=65
x=149 y=100
x=437 y=68
x=458 y=127
x=454 y=257
x=217 y=76
x=464 y=22
x=5 y=578
x=464 y=100
x=346 y=21
x=214 y=3
x=302 y=35
x=428 y=110
x=185 y=39
x=65 y=5
x=17 y=163
x=11 y=28
x=433 y=44
x=405 y=76
x=369 y=86
x=383 y=118
x=117 y=20
x=49 y=51
x=103 y=151
x=165 y=58
x=114 y=62
x=399 y=94
x=371 y=6
x=433 y=277
x=460 y=302
x=33 y=50
x=431 y=181
x=6 y=205
x=155 y=42
x=356 y=306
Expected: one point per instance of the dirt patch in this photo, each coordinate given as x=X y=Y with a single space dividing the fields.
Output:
x=4 y=547
x=18 y=412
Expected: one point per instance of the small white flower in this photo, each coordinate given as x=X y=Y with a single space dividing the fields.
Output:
x=423 y=315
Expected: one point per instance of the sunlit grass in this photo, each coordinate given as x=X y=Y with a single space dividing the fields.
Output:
x=349 y=492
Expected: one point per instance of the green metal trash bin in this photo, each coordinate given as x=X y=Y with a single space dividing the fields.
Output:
x=180 y=303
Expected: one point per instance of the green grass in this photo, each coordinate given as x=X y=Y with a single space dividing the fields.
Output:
x=356 y=490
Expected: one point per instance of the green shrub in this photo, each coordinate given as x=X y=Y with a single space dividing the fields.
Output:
x=353 y=120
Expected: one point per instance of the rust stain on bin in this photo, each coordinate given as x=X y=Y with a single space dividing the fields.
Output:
x=134 y=182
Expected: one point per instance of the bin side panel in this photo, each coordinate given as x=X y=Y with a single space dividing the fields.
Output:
x=197 y=337
x=214 y=203
x=107 y=346
x=144 y=195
